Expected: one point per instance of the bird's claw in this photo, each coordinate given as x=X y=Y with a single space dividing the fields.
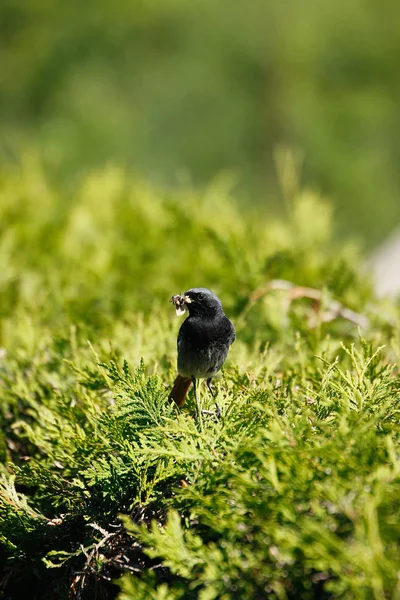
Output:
x=217 y=413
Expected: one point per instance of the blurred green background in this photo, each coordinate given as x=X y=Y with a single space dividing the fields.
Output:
x=178 y=91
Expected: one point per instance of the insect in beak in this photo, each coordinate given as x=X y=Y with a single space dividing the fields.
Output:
x=180 y=302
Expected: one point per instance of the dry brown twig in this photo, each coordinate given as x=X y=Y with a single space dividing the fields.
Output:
x=332 y=308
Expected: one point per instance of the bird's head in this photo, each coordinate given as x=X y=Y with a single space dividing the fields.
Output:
x=199 y=302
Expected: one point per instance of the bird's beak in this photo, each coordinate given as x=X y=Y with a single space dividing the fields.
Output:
x=180 y=302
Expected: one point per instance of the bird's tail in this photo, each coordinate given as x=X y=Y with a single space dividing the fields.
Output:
x=179 y=390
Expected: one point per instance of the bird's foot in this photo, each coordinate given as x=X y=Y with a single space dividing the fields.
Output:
x=217 y=413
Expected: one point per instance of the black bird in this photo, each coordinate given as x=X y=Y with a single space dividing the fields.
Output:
x=203 y=341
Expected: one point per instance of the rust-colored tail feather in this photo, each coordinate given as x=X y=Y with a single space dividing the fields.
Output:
x=179 y=390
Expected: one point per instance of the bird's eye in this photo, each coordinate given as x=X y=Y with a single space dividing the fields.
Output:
x=200 y=296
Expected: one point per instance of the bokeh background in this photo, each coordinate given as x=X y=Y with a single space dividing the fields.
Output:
x=178 y=91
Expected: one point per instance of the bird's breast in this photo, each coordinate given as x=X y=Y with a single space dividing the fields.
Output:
x=202 y=347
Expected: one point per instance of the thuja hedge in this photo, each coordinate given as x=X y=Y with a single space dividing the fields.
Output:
x=107 y=490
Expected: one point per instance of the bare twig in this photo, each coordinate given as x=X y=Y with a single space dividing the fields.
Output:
x=332 y=308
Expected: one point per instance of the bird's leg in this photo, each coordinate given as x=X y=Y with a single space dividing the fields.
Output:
x=211 y=389
x=198 y=411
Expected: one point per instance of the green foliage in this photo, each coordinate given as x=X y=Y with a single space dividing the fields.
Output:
x=193 y=90
x=292 y=494
x=299 y=486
